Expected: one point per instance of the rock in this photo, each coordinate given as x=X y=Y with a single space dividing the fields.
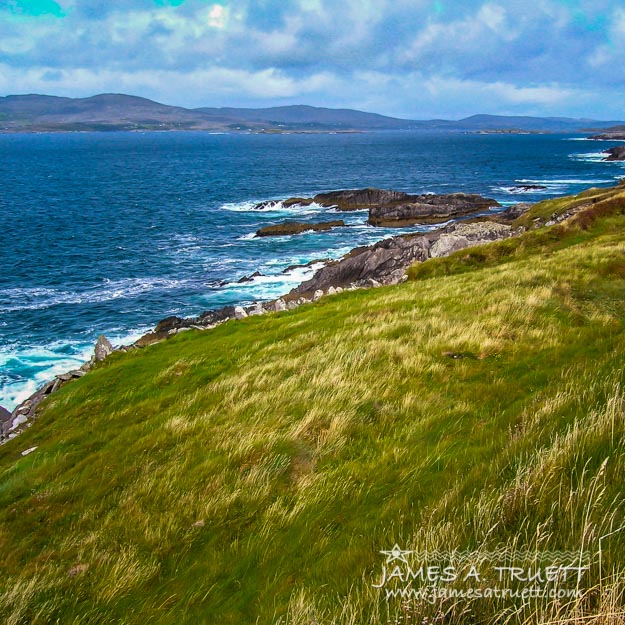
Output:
x=29 y=451
x=257 y=309
x=5 y=422
x=302 y=300
x=331 y=291
x=428 y=209
x=291 y=305
x=239 y=312
x=615 y=154
x=612 y=134
x=297 y=227
x=288 y=203
x=103 y=348
x=279 y=305
x=317 y=295
x=459 y=236
x=338 y=289
x=513 y=212
x=358 y=199
x=381 y=261
x=249 y=278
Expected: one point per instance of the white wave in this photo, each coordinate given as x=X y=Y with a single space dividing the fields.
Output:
x=39 y=298
x=590 y=157
x=247 y=237
x=518 y=190
x=562 y=181
x=274 y=206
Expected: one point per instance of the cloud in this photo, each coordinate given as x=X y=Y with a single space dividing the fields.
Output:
x=356 y=52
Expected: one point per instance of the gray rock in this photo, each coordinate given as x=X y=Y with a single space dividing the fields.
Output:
x=317 y=295
x=338 y=289
x=460 y=236
x=331 y=291
x=239 y=312
x=257 y=309
x=428 y=208
x=380 y=261
x=291 y=305
x=279 y=305
x=103 y=348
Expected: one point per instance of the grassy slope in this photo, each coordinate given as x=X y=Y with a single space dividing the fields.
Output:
x=251 y=474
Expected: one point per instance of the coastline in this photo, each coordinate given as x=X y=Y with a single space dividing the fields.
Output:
x=381 y=264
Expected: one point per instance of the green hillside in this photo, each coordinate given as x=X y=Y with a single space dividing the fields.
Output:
x=253 y=473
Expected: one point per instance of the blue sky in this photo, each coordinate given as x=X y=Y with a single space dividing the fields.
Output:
x=407 y=58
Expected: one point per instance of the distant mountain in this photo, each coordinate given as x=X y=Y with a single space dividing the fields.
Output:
x=41 y=113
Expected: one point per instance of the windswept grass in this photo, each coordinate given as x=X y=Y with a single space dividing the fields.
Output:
x=252 y=473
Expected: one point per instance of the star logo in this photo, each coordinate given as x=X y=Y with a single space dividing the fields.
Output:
x=396 y=553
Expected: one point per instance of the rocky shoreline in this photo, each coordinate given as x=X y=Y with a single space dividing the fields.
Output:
x=384 y=263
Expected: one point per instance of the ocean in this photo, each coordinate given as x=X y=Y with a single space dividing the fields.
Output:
x=107 y=233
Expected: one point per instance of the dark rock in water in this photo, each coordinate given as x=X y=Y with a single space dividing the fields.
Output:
x=615 y=154
x=103 y=348
x=358 y=199
x=428 y=209
x=249 y=278
x=296 y=227
x=308 y=264
x=290 y=202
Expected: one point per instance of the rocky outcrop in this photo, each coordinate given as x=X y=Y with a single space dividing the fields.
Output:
x=103 y=348
x=386 y=261
x=460 y=236
x=297 y=227
x=358 y=199
x=428 y=208
x=615 y=154
x=613 y=135
x=388 y=208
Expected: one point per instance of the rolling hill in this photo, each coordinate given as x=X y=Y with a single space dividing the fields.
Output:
x=115 y=112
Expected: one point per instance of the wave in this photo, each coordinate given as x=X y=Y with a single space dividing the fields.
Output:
x=25 y=369
x=274 y=206
x=519 y=190
x=560 y=181
x=24 y=298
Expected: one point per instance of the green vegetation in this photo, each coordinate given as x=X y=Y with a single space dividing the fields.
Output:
x=253 y=472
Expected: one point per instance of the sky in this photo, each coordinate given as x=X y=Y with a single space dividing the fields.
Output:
x=417 y=59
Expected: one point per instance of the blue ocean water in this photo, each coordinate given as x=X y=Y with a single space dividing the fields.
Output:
x=108 y=233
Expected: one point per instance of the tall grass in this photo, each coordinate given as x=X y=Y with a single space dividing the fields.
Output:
x=252 y=473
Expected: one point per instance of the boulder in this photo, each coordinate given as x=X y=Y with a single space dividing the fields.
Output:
x=317 y=295
x=103 y=348
x=239 y=312
x=279 y=305
x=257 y=309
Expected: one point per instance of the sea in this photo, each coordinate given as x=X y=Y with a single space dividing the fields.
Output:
x=107 y=233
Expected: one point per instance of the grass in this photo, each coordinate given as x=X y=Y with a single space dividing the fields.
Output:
x=253 y=472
